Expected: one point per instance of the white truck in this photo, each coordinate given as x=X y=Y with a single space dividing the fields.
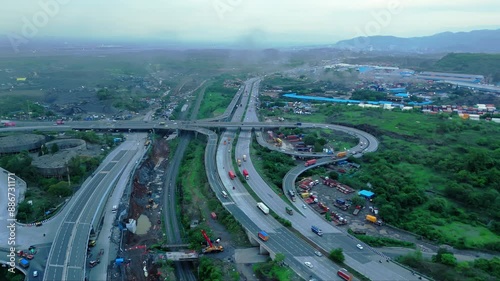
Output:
x=244 y=158
x=263 y=208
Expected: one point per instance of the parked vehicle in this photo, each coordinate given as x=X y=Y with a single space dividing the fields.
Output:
x=316 y=230
x=373 y=219
x=245 y=174
x=263 y=208
x=232 y=175
x=263 y=235
x=211 y=248
x=310 y=162
x=213 y=215
x=357 y=210
x=344 y=274
x=24 y=263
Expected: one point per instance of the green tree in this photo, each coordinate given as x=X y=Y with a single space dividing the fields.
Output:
x=54 y=148
x=448 y=259
x=333 y=175
x=337 y=255
x=309 y=140
x=60 y=189
x=358 y=200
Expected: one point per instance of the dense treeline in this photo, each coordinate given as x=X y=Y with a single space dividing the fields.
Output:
x=485 y=64
x=444 y=266
x=275 y=164
x=429 y=177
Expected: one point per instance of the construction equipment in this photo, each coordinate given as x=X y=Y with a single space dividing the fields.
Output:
x=211 y=248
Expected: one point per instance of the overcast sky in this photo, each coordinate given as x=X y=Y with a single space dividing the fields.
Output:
x=286 y=21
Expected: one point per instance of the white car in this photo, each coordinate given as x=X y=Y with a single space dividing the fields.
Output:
x=308 y=264
x=318 y=253
x=359 y=246
x=35 y=273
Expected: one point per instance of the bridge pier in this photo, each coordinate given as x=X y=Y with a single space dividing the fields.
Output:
x=252 y=239
x=263 y=251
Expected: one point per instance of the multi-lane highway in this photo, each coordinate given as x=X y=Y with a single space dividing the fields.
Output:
x=73 y=234
x=67 y=259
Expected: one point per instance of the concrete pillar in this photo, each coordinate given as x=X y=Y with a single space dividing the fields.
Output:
x=252 y=239
x=263 y=251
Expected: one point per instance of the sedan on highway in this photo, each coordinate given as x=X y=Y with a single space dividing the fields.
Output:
x=318 y=253
x=359 y=246
x=308 y=264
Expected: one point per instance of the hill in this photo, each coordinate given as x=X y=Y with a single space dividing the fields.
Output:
x=484 y=64
x=477 y=41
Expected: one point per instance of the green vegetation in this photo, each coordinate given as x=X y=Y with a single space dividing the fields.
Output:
x=8 y=276
x=432 y=174
x=368 y=95
x=209 y=271
x=382 y=241
x=273 y=269
x=337 y=255
x=444 y=266
x=198 y=200
x=48 y=193
x=216 y=99
x=484 y=64
x=272 y=165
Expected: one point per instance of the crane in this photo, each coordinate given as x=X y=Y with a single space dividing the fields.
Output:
x=210 y=248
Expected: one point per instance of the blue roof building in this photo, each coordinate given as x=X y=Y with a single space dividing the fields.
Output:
x=367 y=194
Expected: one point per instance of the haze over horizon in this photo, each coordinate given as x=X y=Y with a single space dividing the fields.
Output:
x=253 y=23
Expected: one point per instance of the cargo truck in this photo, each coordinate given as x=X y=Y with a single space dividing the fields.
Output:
x=263 y=208
x=263 y=235
x=9 y=124
x=244 y=158
x=373 y=219
x=344 y=274
x=342 y=154
x=232 y=175
x=310 y=162
x=239 y=162
x=245 y=174
x=316 y=230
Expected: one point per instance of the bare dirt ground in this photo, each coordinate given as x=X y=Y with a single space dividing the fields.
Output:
x=145 y=200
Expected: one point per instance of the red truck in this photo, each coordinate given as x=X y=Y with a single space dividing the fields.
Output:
x=232 y=175
x=344 y=274
x=9 y=124
x=59 y=122
x=245 y=174
x=310 y=162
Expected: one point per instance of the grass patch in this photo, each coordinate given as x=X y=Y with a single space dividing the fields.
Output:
x=475 y=236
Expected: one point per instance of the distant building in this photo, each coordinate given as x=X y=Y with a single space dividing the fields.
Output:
x=440 y=76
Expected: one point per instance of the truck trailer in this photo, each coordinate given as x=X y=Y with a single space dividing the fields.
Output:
x=310 y=162
x=316 y=230
x=373 y=219
x=263 y=235
x=263 y=208
x=344 y=274
x=245 y=174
